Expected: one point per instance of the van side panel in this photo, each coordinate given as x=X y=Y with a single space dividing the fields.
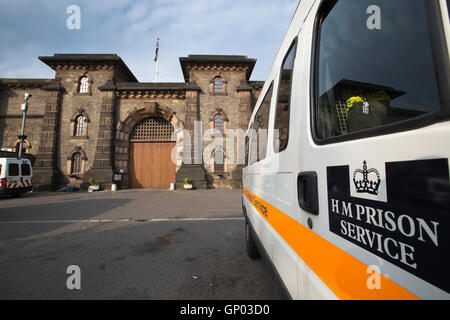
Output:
x=333 y=255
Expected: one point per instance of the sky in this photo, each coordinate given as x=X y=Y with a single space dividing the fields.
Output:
x=129 y=28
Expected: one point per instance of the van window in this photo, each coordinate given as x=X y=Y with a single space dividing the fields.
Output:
x=283 y=102
x=0 y=169
x=247 y=143
x=13 y=169
x=261 y=126
x=375 y=66
x=26 y=170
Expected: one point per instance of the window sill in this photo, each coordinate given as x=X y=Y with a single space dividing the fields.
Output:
x=79 y=137
x=88 y=94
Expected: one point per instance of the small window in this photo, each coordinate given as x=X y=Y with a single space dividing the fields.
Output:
x=373 y=69
x=26 y=169
x=80 y=126
x=76 y=164
x=219 y=162
x=218 y=84
x=84 y=85
x=218 y=123
x=283 y=102
x=13 y=169
x=260 y=128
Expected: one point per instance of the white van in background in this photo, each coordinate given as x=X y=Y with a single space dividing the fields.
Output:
x=15 y=176
x=347 y=188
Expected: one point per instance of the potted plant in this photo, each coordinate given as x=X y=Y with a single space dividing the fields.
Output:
x=93 y=186
x=187 y=184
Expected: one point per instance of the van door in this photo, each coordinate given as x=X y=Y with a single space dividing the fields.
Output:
x=26 y=174
x=284 y=256
x=13 y=174
x=257 y=183
x=373 y=170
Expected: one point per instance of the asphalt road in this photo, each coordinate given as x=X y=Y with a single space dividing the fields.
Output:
x=131 y=244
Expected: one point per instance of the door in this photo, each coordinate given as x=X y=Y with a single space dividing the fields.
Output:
x=151 y=165
x=376 y=138
x=13 y=174
x=151 y=146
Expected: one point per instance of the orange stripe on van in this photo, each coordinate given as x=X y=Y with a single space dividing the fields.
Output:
x=345 y=275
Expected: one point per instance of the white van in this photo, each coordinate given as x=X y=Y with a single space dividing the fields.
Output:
x=15 y=176
x=347 y=188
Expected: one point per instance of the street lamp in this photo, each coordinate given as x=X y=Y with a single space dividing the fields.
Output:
x=24 y=109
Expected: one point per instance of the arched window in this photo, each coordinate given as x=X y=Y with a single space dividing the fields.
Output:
x=80 y=126
x=84 y=85
x=76 y=164
x=219 y=161
x=218 y=84
x=218 y=123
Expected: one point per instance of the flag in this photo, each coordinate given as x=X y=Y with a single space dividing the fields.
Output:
x=157 y=49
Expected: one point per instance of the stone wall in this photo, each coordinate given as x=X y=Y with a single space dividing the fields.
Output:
x=11 y=100
x=72 y=103
x=226 y=104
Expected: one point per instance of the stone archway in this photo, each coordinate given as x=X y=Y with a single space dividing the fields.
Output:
x=125 y=128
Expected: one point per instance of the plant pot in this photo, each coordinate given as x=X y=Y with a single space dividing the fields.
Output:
x=93 y=188
x=188 y=187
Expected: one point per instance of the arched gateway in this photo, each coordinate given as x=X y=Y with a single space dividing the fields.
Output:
x=145 y=142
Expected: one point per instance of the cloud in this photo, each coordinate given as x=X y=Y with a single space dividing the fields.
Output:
x=130 y=28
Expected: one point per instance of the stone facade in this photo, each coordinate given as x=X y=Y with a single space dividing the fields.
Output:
x=112 y=105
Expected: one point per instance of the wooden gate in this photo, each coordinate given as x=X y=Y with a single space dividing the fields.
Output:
x=151 y=164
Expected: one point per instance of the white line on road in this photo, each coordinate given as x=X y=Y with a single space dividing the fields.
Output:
x=120 y=220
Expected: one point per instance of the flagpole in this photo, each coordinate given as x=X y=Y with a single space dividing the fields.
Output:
x=156 y=60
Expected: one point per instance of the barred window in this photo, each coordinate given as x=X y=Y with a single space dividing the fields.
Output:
x=218 y=84
x=152 y=130
x=76 y=164
x=80 y=128
x=84 y=85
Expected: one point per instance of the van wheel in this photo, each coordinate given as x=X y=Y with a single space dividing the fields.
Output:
x=252 y=249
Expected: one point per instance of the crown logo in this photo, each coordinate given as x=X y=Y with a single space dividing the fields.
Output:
x=367 y=181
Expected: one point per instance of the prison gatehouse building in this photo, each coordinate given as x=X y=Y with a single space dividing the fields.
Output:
x=95 y=120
